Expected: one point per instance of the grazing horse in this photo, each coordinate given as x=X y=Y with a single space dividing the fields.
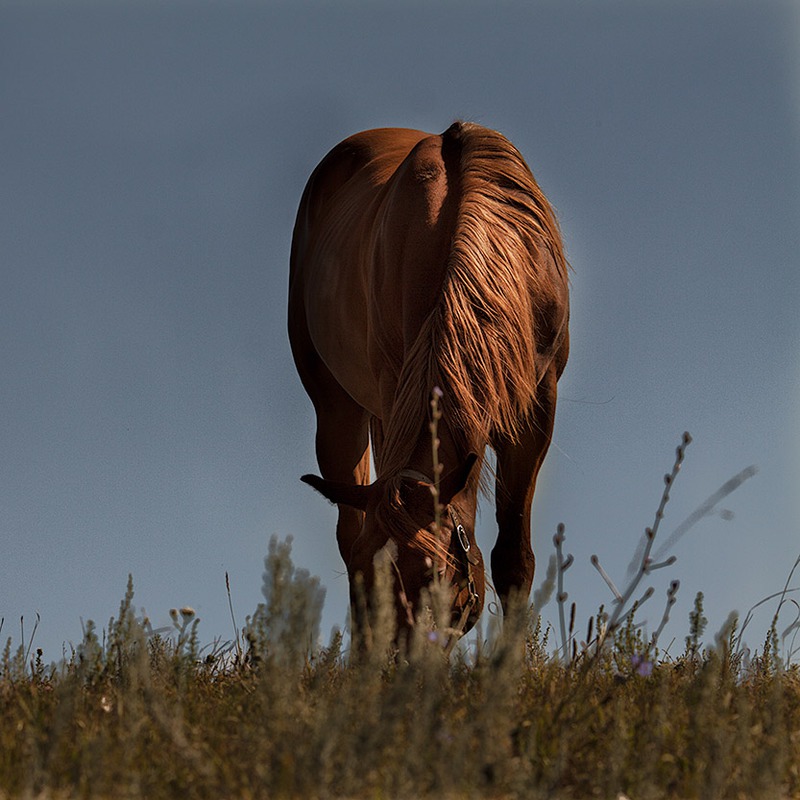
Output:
x=425 y=263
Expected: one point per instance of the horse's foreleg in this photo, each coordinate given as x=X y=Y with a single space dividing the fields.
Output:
x=342 y=445
x=518 y=465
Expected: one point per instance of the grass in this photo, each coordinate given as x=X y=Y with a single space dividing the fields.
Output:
x=135 y=714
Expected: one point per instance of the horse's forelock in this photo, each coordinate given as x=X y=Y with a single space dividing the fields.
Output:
x=394 y=518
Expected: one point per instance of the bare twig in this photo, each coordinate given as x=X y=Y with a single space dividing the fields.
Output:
x=562 y=565
x=233 y=618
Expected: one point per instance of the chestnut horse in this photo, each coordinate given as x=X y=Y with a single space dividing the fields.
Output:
x=422 y=263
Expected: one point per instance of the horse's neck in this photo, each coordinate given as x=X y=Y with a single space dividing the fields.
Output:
x=445 y=453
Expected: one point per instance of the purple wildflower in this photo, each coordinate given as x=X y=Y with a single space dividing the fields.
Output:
x=641 y=666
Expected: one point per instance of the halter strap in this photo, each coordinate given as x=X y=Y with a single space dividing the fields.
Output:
x=460 y=536
x=462 y=547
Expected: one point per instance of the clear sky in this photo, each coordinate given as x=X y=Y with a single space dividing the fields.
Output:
x=152 y=155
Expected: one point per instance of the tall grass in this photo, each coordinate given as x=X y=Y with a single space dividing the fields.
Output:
x=136 y=714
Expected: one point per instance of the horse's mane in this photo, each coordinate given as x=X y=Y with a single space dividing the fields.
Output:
x=502 y=312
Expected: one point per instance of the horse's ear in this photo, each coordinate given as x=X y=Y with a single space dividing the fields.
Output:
x=452 y=483
x=346 y=494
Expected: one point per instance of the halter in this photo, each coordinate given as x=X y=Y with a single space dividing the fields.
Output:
x=462 y=546
x=460 y=534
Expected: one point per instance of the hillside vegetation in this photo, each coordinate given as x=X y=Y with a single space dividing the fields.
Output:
x=522 y=712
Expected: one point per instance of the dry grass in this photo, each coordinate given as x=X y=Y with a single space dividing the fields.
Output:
x=132 y=714
x=145 y=716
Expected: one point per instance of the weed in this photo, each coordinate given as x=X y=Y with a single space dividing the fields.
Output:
x=137 y=713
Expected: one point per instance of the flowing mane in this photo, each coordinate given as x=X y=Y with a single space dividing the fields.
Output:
x=500 y=318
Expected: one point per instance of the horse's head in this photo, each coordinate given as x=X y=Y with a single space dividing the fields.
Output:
x=400 y=524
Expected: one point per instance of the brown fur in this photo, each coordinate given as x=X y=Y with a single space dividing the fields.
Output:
x=493 y=333
x=424 y=261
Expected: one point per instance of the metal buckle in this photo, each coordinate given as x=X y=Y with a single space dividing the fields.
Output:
x=463 y=540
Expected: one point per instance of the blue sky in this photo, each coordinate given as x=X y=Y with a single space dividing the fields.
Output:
x=152 y=158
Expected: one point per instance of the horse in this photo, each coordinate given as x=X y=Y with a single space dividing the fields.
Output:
x=425 y=264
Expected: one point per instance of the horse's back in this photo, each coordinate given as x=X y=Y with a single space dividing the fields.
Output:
x=395 y=224
x=368 y=240
x=354 y=170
